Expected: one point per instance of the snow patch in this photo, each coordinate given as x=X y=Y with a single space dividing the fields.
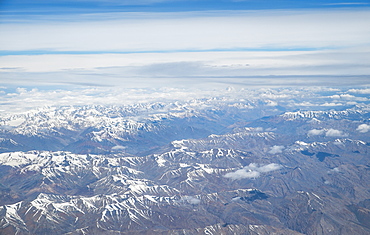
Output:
x=183 y=165
x=16 y=122
x=160 y=161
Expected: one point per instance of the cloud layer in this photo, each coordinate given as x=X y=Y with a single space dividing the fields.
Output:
x=334 y=133
x=264 y=48
x=276 y=149
x=363 y=128
x=329 y=133
x=187 y=69
x=22 y=99
x=190 y=31
x=253 y=170
x=315 y=132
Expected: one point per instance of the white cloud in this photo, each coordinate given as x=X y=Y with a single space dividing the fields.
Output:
x=253 y=170
x=363 y=128
x=360 y=91
x=118 y=148
x=21 y=99
x=201 y=30
x=276 y=149
x=332 y=104
x=259 y=129
x=25 y=100
x=335 y=96
x=343 y=96
x=271 y=103
x=334 y=133
x=329 y=133
x=180 y=32
x=267 y=168
x=191 y=200
x=348 y=97
x=242 y=174
x=304 y=103
x=316 y=132
x=186 y=69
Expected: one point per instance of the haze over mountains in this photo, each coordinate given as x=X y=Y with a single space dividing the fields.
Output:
x=236 y=161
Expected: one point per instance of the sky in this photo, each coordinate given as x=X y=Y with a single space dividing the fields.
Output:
x=173 y=43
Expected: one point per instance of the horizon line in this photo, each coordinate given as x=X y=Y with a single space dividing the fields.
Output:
x=74 y=52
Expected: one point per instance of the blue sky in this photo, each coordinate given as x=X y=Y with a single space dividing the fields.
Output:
x=146 y=43
x=61 y=6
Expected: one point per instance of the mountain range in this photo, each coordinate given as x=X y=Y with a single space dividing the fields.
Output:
x=206 y=166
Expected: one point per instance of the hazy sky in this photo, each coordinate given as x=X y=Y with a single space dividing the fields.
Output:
x=159 y=43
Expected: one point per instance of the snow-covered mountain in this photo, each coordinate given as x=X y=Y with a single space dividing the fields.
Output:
x=201 y=167
x=136 y=128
